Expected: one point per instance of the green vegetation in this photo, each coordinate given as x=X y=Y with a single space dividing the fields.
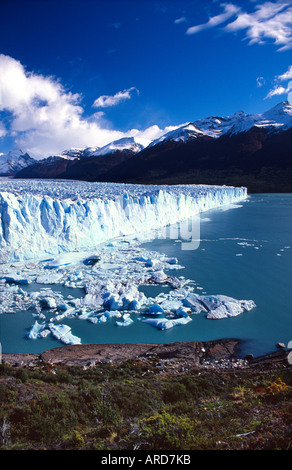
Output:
x=135 y=406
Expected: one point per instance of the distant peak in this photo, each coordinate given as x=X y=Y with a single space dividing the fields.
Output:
x=282 y=111
x=239 y=113
x=124 y=140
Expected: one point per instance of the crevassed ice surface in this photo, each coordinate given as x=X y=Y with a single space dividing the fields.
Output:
x=88 y=236
x=49 y=217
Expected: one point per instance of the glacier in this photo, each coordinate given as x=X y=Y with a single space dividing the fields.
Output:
x=88 y=236
x=42 y=218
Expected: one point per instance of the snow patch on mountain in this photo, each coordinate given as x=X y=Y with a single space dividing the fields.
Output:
x=124 y=144
x=183 y=134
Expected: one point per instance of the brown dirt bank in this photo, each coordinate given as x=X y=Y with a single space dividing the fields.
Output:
x=189 y=354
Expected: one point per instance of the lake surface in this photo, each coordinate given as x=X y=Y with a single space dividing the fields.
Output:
x=245 y=253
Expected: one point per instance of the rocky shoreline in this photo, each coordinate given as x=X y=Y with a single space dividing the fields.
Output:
x=179 y=356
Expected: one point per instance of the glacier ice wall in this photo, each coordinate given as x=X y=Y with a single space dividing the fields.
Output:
x=41 y=218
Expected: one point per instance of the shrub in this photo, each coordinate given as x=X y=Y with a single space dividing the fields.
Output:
x=167 y=432
x=174 y=391
x=22 y=375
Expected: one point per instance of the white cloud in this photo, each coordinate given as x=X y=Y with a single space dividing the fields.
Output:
x=45 y=119
x=260 y=81
x=105 y=101
x=279 y=90
x=229 y=11
x=180 y=20
x=285 y=76
x=269 y=21
x=146 y=136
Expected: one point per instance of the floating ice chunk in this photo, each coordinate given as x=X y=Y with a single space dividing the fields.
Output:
x=160 y=323
x=113 y=314
x=222 y=306
x=151 y=263
x=49 y=278
x=165 y=323
x=59 y=317
x=193 y=301
x=171 y=305
x=171 y=260
x=101 y=319
x=113 y=302
x=218 y=313
x=93 y=319
x=85 y=314
x=182 y=312
x=211 y=301
x=127 y=320
x=63 y=333
x=36 y=330
x=182 y=320
x=158 y=277
x=156 y=309
x=63 y=307
x=95 y=301
x=48 y=302
x=44 y=333
x=15 y=280
x=247 y=305
x=134 y=305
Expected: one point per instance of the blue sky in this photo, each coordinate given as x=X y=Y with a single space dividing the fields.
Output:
x=84 y=73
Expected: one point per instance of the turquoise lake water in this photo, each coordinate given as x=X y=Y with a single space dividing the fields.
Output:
x=245 y=253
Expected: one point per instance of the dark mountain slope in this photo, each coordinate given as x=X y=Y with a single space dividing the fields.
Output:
x=258 y=159
x=53 y=167
x=88 y=169
x=92 y=168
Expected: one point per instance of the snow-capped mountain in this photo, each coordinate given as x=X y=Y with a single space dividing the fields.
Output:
x=121 y=145
x=277 y=118
x=183 y=134
x=79 y=163
x=72 y=153
x=14 y=161
x=240 y=150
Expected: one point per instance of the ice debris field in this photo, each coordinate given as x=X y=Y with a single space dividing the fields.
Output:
x=88 y=236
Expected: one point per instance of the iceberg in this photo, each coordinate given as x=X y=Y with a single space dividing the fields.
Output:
x=35 y=331
x=63 y=333
x=156 y=309
x=127 y=320
x=166 y=323
x=194 y=302
x=222 y=306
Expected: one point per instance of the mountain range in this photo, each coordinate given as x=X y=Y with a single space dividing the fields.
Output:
x=241 y=150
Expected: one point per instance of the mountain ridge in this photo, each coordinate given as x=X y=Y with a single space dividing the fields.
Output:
x=242 y=149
